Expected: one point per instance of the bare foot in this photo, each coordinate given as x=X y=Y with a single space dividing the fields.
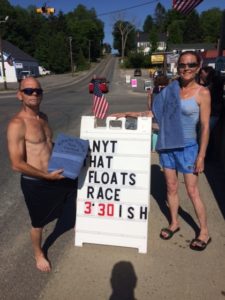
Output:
x=42 y=264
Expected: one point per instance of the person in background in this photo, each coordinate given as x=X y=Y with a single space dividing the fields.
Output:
x=159 y=83
x=30 y=145
x=209 y=78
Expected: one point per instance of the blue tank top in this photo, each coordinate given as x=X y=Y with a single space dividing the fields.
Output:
x=189 y=118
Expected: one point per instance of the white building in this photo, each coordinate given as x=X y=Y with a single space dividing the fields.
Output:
x=15 y=61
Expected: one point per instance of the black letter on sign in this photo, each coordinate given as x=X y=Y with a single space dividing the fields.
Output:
x=120 y=211
x=90 y=191
x=131 y=212
x=96 y=146
x=93 y=161
x=143 y=212
x=132 y=179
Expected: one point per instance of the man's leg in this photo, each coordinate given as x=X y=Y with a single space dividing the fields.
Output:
x=191 y=182
x=172 y=197
x=41 y=261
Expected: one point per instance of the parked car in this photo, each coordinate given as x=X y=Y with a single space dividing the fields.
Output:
x=43 y=71
x=137 y=72
x=103 y=84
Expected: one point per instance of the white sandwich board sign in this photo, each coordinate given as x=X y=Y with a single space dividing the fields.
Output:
x=113 y=199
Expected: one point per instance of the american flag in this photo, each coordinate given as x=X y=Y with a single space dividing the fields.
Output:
x=100 y=104
x=9 y=60
x=185 y=6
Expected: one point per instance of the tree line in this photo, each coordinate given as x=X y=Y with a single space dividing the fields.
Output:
x=53 y=40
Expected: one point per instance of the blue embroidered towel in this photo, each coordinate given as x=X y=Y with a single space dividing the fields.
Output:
x=167 y=111
x=69 y=154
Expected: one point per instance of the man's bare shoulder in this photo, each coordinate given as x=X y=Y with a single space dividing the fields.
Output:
x=16 y=121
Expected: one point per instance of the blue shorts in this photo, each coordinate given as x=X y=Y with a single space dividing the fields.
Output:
x=181 y=160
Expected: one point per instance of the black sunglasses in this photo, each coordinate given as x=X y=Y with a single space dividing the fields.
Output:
x=190 y=65
x=30 y=91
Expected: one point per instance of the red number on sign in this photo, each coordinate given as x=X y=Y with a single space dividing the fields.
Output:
x=101 y=209
x=88 y=207
x=110 y=210
x=107 y=209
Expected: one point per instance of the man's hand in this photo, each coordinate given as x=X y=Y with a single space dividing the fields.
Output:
x=134 y=114
x=55 y=175
x=119 y=115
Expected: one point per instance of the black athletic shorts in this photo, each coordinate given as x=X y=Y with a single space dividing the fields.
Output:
x=45 y=198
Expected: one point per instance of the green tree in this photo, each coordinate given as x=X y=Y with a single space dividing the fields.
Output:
x=84 y=27
x=210 y=22
x=148 y=24
x=6 y=9
x=153 y=38
x=176 y=32
x=124 y=34
x=160 y=17
x=192 y=31
x=58 y=53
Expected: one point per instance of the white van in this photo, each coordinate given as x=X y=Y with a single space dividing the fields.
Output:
x=43 y=71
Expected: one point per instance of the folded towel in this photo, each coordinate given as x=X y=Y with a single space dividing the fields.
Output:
x=69 y=154
x=167 y=111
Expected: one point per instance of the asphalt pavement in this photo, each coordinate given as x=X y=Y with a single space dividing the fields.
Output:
x=51 y=81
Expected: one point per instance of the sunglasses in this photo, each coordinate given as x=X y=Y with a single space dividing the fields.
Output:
x=30 y=91
x=189 y=65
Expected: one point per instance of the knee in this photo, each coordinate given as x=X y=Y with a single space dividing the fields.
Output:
x=192 y=192
x=172 y=187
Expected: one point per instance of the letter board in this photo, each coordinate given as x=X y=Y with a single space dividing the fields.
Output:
x=113 y=199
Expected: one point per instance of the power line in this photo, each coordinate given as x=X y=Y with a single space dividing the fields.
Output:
x=124 y=9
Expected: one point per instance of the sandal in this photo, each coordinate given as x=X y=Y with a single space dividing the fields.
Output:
x=169 y=233
x=199 y=245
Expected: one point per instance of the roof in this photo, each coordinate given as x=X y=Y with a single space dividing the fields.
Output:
x=145 y=36
x=211 y=53
x=17 y=54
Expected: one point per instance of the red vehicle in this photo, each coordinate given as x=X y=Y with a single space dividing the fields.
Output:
x=103 y=84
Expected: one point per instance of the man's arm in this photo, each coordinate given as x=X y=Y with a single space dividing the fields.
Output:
x=17 y=152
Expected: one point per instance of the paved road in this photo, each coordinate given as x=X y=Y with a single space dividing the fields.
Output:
x=169 y=270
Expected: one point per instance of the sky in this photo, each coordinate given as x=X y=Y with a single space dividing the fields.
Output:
x=131 y=10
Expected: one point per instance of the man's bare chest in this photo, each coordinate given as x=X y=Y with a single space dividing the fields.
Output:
x=37 y=131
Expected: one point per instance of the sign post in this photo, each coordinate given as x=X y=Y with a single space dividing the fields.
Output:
x=114 y=187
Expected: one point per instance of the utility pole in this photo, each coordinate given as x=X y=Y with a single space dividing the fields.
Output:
x=71 y=54
x=2 y=57
x=89 y=51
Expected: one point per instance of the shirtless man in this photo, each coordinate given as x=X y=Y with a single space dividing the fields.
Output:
x=30 y=145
